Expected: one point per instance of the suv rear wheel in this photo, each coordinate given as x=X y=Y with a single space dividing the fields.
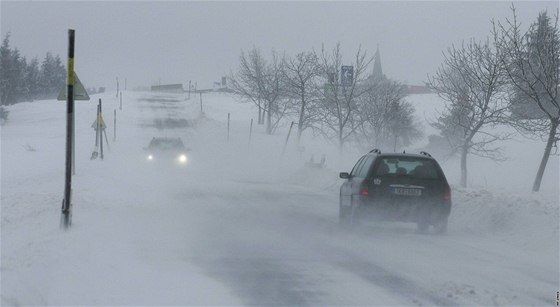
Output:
x=347 y=216
x=440 y=227
x=422 y=227
x=344 y=215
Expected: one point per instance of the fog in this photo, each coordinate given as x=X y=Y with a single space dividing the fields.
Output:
x=150 y=42
x=243 y=224
x=248 y=221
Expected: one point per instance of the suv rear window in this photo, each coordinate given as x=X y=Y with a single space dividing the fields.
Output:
x=407 y=166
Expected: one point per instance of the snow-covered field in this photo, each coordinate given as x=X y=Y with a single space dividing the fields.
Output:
x=245 y=225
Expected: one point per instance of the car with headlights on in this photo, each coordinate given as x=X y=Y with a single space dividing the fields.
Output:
x=167 y=150
x=396 y=187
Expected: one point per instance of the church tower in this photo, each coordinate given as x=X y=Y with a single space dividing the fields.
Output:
x=377 y=70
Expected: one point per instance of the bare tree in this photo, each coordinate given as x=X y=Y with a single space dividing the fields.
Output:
x=300 y=74
x=273 y=93
x=248 y=81
x=261 y=82
x=532 y=64
x=471 y=79
x=386 y=117
x=339 y=103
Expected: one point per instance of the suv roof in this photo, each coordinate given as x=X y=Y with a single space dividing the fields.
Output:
x=378 y=152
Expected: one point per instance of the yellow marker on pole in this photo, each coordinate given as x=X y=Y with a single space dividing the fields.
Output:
x=70 y=76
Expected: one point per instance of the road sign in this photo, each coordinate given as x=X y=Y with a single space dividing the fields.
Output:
x=347 y=75
x=80 y=92
x=95 y=126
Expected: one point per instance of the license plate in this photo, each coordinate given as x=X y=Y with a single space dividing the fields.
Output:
x=407 y=192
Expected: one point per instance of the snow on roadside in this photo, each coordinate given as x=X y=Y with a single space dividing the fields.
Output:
x=42 y=265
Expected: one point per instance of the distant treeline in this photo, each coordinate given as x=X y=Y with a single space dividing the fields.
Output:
x=27 y=80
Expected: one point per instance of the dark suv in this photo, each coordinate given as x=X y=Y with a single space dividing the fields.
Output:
x=396 y=187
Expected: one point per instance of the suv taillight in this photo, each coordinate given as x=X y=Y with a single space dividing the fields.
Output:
x=364 y=189
x=447 y=194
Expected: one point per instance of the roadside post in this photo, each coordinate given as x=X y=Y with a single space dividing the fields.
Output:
x=95 y=126
x=74 y=90
x=201 y=112
x=67 y=202
x=228 y=126
x=250 y=133
x=115 y=125
x=287 y=138
x=100 y=129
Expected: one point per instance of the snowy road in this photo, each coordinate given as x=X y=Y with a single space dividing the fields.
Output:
x=239 y=227
x=277 y=245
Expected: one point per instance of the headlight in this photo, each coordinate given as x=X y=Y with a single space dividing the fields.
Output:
x=150 y=157
x=183 y=158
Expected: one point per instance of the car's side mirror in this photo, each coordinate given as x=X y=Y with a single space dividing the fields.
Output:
x=344 y=175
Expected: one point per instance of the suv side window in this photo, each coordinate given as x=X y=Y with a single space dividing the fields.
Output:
x=364 y=168
x=357 y=166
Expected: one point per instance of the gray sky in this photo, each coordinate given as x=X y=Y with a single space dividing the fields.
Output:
x=148 y=42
